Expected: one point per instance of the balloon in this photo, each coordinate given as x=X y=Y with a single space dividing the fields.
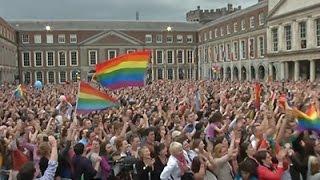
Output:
x=38 y=85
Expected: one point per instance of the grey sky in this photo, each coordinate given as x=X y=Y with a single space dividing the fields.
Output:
x=173 y=10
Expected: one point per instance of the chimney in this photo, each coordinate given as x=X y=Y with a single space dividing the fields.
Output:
x=137 y=16
x=230 y=7
x=198 y=7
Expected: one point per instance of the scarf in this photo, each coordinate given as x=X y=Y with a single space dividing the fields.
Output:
x=182 y=162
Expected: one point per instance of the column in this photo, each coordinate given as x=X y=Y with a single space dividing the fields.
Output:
x=282 y=69
x=231 y=73
x=295 y=35
x=270 y=71
x=269 y=40
x=249 y=73
x=153 y=73
x=296 y=71
x=286 y=70
x=312 y=70
x=311 y=37
x=281 y=38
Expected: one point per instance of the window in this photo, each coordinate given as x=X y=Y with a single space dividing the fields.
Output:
x=318 y=31
x=26 y=59
x=228 y=29
x=216 y=52
x=205 y=36
x=27 y=77
x=235 y=50
x=62 y=58
x=37 y=39
x=112 y=54
x=228 y=52
x=221 y=31
x=160 y=73
x=243 y=50
x=235 y=27
x=61 y=38
x=222 y=53
x=50 y=58
x=180 y=73
x=37 y=59
x=274 y=33
x=170 y=57
x=131 y=51
x=169 y=39
x=243 y=25
x=287 y=31
x=170 y=74
x=189 y=38
x=252 y=23
x=189 y=73
x=73 y=58
x=303 y=35
x=261 y=19
x=205 y=55
x=180 y=56
x=74 y=76
x=148 y=38
x=73 y=38
x=261 y=46
x=159 y=56
x=159 y=38
x=251 y=48
x=179 y=39
x=199 y=38
x=216 y=33
x=51 y=77
x=93 y=57
x=62 y=77
x=210 y=34
x=189 y=56
x=49 y=38
x=25 y=38
x=39 y=76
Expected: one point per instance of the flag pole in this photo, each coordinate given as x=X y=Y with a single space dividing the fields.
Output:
x=75 y=111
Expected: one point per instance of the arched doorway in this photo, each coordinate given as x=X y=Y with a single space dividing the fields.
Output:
x=304 y=69
x=221 y=73
x=228 y=73
x=253 y=73
x=274 y=73
x=90 y=75
x=261 y=72
x=235 y=74
x=243 y=73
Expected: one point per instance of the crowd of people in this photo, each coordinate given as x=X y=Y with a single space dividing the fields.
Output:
x=168 y=130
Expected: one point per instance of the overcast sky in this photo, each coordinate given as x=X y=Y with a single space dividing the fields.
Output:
x=173 y=10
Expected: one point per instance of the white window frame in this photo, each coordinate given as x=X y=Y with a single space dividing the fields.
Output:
x=254 y=49
x=24 y=76
x=243 y=24
x=210 y=34
x=162 y=57
x=52 y=57
x=243 y=49
x=112 y=50
x=162 y=73
x=216 y=33
x=34 y=58
x=182 y=56
x=54 y=77
x=205 y=36
x=22 y=57
x=89 y=58
x=148 y=38
x=35 y=76
x=77 y=53
x=261 y=19
x=228 y=29
x=60 y=76
x=192 y=57
x=259 y=47
x=62 y=36
x=65 y=56
x=25 y=38
x=172 y=51
x=37 y=38
x=172 y=73
x=71 y=76
x=169 y=36
x=159 y=41
x=252 y=22
x=73 y=36
x=189 y=37
x=48 y=38
x=273 y=47
x=179 y=38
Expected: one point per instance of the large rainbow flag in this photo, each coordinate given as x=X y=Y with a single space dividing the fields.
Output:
x=309 y=120
x=20 y=91
x=123 y=71
x=91 y=99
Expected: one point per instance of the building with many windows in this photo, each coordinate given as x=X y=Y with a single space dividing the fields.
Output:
x=8 y=53
x=273 y=39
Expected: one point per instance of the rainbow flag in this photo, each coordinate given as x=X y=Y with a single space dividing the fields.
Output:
x=91 y=99
x=123 y=71
x=20 y=92
x=309 y=120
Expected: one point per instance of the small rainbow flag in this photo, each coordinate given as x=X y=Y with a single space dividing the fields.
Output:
x=123 y=71
x=91 y=99
x=309 y=120
x=20 y=92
